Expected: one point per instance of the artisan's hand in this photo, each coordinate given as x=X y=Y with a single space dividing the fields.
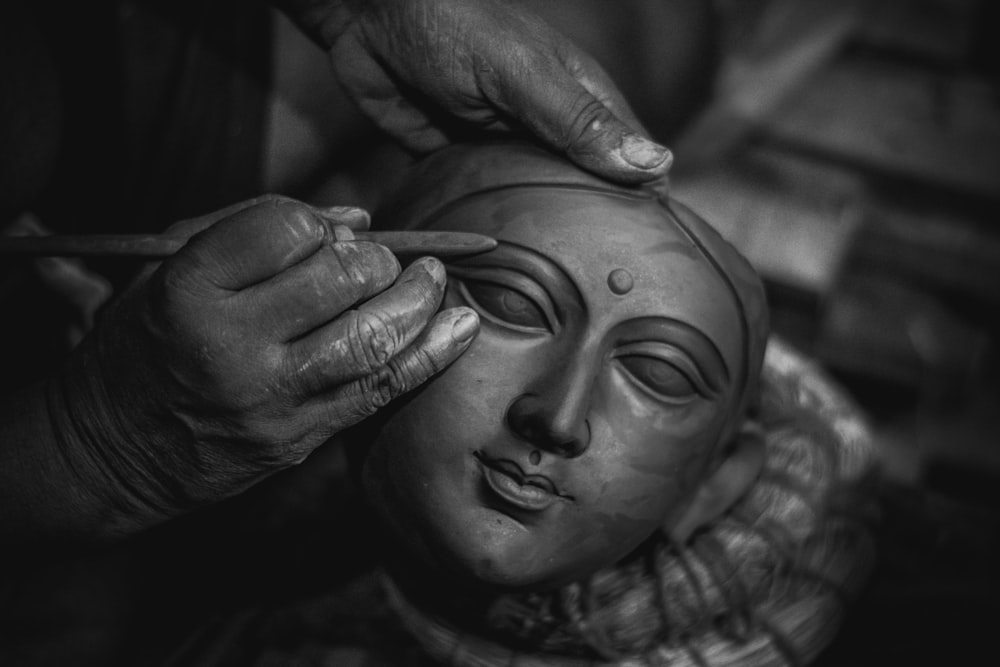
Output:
x=246 y=350
x=414 y=66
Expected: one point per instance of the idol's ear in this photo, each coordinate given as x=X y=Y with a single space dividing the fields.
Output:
x=736 y=471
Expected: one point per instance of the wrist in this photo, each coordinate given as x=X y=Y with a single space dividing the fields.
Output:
x=110 y=460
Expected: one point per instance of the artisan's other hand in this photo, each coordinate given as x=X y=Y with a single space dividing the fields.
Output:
x=414 y=66
x=246 y=350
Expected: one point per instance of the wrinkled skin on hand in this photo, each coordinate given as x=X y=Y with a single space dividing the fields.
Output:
x=414 y=66
x=243 y=352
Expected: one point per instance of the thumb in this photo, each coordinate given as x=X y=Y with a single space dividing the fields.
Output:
x=569 y=106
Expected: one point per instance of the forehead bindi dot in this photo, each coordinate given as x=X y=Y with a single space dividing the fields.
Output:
x=620 y=281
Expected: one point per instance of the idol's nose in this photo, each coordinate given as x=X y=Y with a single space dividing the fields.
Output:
x=556 y=426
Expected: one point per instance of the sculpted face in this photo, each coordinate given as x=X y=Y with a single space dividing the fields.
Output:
x=588 y=411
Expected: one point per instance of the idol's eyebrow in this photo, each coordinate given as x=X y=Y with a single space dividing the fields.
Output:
x=533 y=263
x=703 y=352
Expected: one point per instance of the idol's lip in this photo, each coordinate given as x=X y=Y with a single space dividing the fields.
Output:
x=531 y=492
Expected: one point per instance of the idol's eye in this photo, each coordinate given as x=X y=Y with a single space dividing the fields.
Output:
x=661 y=377
x=663 y=371
x=506 y=297
x=505 y=306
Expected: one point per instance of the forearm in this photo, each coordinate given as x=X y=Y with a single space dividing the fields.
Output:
x=42 y=496
x=52 y=490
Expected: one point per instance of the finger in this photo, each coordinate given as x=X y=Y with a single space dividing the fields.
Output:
x=544 y=95
x=377 y=96
x=318 y=289
x=447 y=336
x=598 y=83
x=252 y=245
x=362 y=341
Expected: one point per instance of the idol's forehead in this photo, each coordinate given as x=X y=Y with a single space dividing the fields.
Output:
x=626 y=254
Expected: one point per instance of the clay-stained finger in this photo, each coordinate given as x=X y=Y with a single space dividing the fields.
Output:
x=545 y=95
x=449 y=334
x=364 y=341
x=317 y=290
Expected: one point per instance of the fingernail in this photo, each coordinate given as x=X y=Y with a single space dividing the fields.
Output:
x=436 y=270
x=342 y=233
x=465 y=328
x=353 y=217
x=643 y=153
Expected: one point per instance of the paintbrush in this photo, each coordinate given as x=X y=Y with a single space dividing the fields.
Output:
x=158 y=246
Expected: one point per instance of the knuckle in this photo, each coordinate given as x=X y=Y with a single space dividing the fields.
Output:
x=346 y=269
x=320 y=280
x=395 y=379
x=176 y=301
x=379 y=262
x=418 y=367
x=371 y=340
x=586 y=117
x=386 y=258
x=347 y=411
x=169 y=284
x=297 y=220
x=379 y=388
x=499 y=73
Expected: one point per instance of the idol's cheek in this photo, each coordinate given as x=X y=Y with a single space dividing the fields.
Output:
x=629 y=499
x=431 y=512
x=669 y=445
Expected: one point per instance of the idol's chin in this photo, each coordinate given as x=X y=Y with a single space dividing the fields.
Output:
x=500 y=555
x=463 y=556
x=457 y=535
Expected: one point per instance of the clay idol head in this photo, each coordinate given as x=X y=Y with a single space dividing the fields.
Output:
x=621 y=341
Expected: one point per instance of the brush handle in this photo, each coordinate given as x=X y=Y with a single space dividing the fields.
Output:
x=158 y=246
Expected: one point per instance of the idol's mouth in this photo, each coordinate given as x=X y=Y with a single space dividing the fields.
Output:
x=509 y=481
